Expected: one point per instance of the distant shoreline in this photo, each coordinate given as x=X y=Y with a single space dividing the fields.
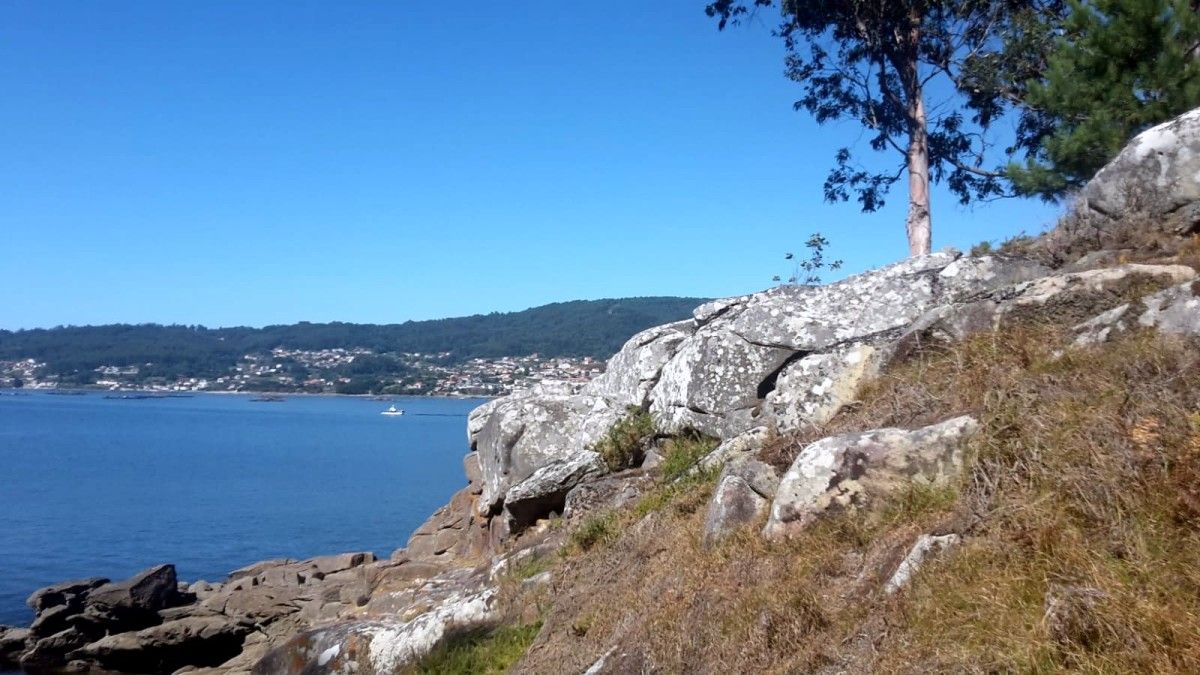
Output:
x=60 y=391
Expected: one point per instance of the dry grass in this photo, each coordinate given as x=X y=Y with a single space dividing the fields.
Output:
x=1086 y=476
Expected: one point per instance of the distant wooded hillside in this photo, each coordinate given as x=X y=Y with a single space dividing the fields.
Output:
x=594 y=328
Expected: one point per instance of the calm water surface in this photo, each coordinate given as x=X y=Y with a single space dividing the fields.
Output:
x=97 y=487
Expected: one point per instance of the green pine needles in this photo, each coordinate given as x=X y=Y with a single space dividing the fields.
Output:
x=1120 y=67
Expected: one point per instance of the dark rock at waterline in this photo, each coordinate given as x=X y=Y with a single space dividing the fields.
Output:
x=13 y=641
x=202 y=641
x=63 y=593
x=135 y=602
x=51 y=651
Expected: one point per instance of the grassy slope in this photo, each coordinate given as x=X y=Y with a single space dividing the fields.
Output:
x=1086 y=474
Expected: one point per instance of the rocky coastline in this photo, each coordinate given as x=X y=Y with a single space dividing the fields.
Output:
x=742 y=371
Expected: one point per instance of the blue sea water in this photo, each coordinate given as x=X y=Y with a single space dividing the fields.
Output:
x=91 y=486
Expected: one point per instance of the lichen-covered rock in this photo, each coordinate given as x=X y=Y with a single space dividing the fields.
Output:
x=1057 y=297
x=534 y=431
x=844 y=472
x=1156 y=175
x=734 y=504
x=545 y=491
x=713 y=382
x=811 y=390
x=1174 y=310
x=633 y=371
x=609 y=492
x=793 y=355
x=385 y=645
x=744 y=445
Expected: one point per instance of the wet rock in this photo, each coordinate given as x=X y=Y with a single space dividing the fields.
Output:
x=844 y=472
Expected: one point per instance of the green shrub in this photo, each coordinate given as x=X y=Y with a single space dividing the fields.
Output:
x=624 y=444
x=981 y=249
x=529 y=567
x=682 y=452
x=488 y=653
x=599 y=529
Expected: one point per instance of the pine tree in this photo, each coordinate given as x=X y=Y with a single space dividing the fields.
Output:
x=1120 y=67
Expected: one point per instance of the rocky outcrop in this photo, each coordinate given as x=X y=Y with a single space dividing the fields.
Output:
x=201 y=641
x=631 y=374
x=609 y=492
x=845 y=472
x=1157 y=175
x=147 y=624
x=1174 y=310
x=536 y=445
x=403 y=622
x=1058 y=297
x=1147 y=197
x=744 y=490
x=793 y=355
x=782 y=359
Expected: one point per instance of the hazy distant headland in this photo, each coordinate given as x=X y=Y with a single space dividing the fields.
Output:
x=474 y=355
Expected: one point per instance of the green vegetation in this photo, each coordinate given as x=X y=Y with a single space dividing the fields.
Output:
x=488 y=653
x=682 y=452
x=529 y=567
x=594 y=328
x=598 y=529
x=1120 y=67
x=625 y=443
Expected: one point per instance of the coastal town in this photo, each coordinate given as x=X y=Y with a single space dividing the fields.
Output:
x=326 y=371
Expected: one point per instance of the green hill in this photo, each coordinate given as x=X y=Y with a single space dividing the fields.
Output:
x=594 y=328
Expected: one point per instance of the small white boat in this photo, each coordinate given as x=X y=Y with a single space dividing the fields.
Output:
x=392 y=411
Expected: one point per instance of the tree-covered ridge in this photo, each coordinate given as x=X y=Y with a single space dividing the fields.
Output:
x=594 y=328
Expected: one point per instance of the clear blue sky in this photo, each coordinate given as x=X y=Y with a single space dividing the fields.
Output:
x=248 y=163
